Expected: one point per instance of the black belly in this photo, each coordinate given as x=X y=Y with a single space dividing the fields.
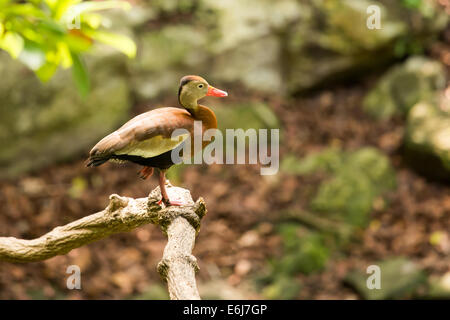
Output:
x=162 y=161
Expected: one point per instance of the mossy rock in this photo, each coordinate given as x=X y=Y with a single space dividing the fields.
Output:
x=355 y=180
x=293 y=45
x=252 y=28
x=418 y=79
x=326 y=47
x=399 y=279
x=168 y=47
x=342 y=36
x=427 y=139
x=164 y=56
x=245 y=116
x=304 y=251
x=328 y=161
x=45 y=123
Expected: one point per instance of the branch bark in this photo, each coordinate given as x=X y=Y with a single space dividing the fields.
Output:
x=181 y=225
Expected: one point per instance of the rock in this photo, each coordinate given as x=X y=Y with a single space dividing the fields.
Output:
x=403 y=86
x=303 y=251
x=334 y=44
x=261 y=72
x=296 y=46
x=245 y=115
x=346 y=30
x=427 y=139
x=293 y=45
x=355 y=180
x=241 y=22
x=329 y=44
x=164 y=56
x=327 y=160
x=41 y=124
x=252 y=29
x=439 y=287
x=170 y=46
x=217 y=43
x=400 y=278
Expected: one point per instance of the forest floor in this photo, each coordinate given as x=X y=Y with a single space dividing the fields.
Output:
x=237 y=235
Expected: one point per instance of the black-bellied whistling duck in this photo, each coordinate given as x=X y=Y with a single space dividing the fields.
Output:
x=146 y=139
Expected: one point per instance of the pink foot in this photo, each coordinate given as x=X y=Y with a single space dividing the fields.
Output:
x=145 y=172
x=169 y=203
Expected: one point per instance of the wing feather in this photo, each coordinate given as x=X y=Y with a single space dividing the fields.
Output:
x=146 y=135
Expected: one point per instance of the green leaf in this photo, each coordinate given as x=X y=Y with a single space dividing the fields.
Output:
x=64 y=54
x=34 y=32
x=48 y=25
x=46 y=71
x=120 y=42
x=3 y=3
x=77 y=42
x=12 y=42
x=80 y=74
x=35 y=36
x=25 y=9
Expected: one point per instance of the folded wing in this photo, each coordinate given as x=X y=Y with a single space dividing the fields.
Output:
x=146 y=135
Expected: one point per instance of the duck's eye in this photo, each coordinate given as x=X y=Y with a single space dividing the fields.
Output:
x=200 y=86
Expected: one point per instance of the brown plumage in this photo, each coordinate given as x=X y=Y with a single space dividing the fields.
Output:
x=147 y=138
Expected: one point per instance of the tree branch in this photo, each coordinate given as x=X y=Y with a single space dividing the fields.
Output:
x=181 y=224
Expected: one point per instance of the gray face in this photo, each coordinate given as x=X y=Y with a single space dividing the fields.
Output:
x=197 y=88
x=193 y=90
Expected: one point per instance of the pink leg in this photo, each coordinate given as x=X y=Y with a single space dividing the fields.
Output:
x=162 y=186
x=145 y=172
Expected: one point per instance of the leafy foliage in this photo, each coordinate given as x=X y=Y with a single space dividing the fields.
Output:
x=46 y=34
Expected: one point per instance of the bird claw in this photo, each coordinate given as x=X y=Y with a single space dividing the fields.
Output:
x=145 y=172
x=169 y=203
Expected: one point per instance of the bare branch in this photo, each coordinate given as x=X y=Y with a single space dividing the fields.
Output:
x=181 y=224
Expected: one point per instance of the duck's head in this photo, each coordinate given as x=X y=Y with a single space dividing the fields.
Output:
x=193 y=88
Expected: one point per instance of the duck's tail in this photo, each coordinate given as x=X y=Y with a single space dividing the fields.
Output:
x=95 y=162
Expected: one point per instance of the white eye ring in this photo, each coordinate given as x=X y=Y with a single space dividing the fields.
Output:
x=200 y=86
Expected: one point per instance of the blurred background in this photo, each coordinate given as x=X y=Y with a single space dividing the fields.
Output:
x=364 y=116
